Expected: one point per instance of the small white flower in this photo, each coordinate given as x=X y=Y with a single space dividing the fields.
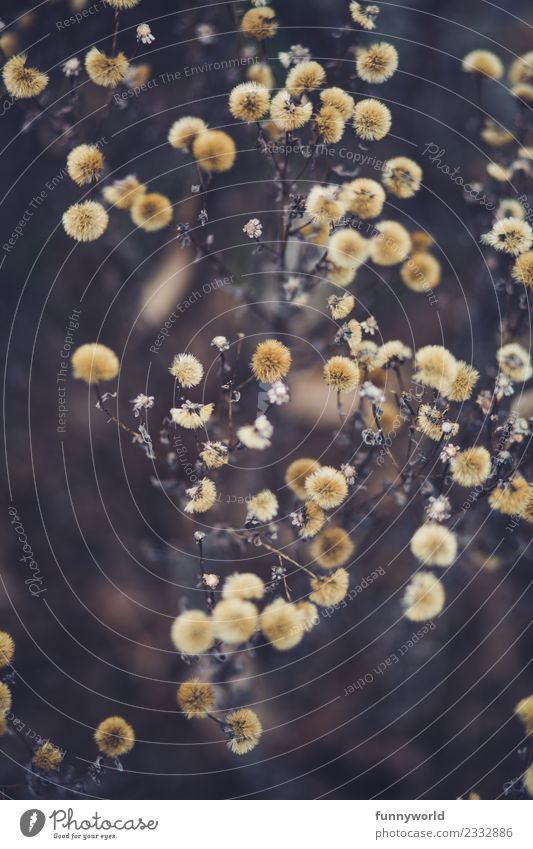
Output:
x=253 y=229
x=294 y=55
x=205 y=33
x=144 y=34
x=449 y=452
x=142 y=402
x=199 y=536
x=211 y=580
x=438 y=509
x=72 y=67
x=220 y=342
x=369 y=325
x=278 y=393
x=349 y=473
x=372 y=392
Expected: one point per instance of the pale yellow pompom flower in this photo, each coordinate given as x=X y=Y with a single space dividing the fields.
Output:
x=436 y=367
x=347 y=249
x=331 y=589
x=434 y=545
x=364 y=15
x=364 y=197
x=332 y=548
x=510 y=236
x=421 y=272
x=243 y=585
x=323 y=205
x=249 y=101
x=85 y=222
x=376 y=63
x=511 y=497
x=515 y=362
x=471 y=467
x=327 y=486
x=23 y=82
x=202 y=495
x=424 y=597
x=260 y=23
x=214 y=151
x=106 y=71
x=341 y=374
x=7 y=649
x=196 y=698
x=289 y=114
x=483 y=62
x=339 y=100
x=263 y=506
x=304 y=77
x=192 y=632
x=244 y=730
x=6 y=699
x=402 y=176
x=85 y=164
x=184 y=131
x=282 y=624
x=297 y=473
x=123 y=193
x=94 y=363
x=372 y=120
x=114 y=737
x=341 y=306
x=192 y=416
x=313 y=518
x=523 y=269
x=47 y=758
x=524 y=712
x=152 y=211
x=329 y=125
x=465 y=380
x=187 y=370
x=271 y=361
x=390 y=244
x=234 y=620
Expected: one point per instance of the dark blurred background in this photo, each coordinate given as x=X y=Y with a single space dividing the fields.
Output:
x=116 y=556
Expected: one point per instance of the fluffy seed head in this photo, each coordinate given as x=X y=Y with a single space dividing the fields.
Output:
x=510 y=236
x=391 y=243
x=244 y=586
x=313 y=519
x=297 y=473
x=114 y=737
x=332 y=548
x=249 y=101
x=152 y=211
x=6 y=699
x=377 y=63
x=184 y=131
x=47 y=758
x=329 y=124
x=511 y=497
x=437 y=367
x=421 y=272
x=465 y=380
x=94 y=363
x=364 y=15
x=123 y=193
x=523 y=269
x=339 y=100
x=521 y=69
x=282 y=624
x=107 y=71
x=196 y=698
x=392 y=353
x=324 y=206
x=288 y=114
x=214 y=455
x=85 y=221
x=260 y=23
x=263 y=506
x=364 y=197
x=243 y=727
x=515 y=361
x=305 y=76
x=347 y=249
x=341 y=374
x=372 y=120
x=402 y=176
x=214 y=151
x=7 y=649
x=424 y=597
x=331 y=589
x=434 y=545
x=471 y=467
x=234 y=620
x=203 y=496
x=187 y=370
x=22 y=82
x=483 y=62
x=341 y=306
x=191 y=415
x=85 y=164
x=430 y=421
x=327 y=486
x=524 y=712
x=256 y=436
x=192 y=632
x=271 y=361
x=261 y=72
x=341 y=276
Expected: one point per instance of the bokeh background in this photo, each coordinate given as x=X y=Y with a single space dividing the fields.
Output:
x=116 y=555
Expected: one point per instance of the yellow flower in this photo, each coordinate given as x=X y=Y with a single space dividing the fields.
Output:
x=523 y=269
x=390 y=244
x=313 y=518
x=249 y=101
x=510 y=236
x=202 y=495
x=192 y=632
x=471 y=467
x=324 y=206
x=22 y=82
x=85 y=163
x=282 y=624
x=347 y=249
x=261 y=72
x=372 y=120
x=327 y=486
x=243 y=585
x=377 y=63
x=85 y=221
x=434 y=545
x=483 y=62
x=214 y=151
x=107 y=71
x=263 y=506
x=214 y=455
x=196 y=698
x=515 y=362
x=329 y=125
x=424 y=597
x=114 y=737
x=437 y=368
x=511 y=497
x=297 y=473
x=341 y=373
x=6 y=698
x=184 y=131
x=365 y=16
x=341 y=306
x=341 y=276
x=259 y=23
x=7 y=649
x=152 y=211
x=123 y=193
x=94 y=363
x=339 y=100
x=430 y=421
x=331 y=589
x=523 y=91
x=364 y=197
x=304 y=77
x=421 y=272
x=187 y=370
x=48 y=757
x=332 y=548
x=402 y=176
x=243 y=729
x=271 y=361
x=392 y=352
x=524 y=712
x=521 y=69
x=191 y=415
x=289 y=114
x=234 y=620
